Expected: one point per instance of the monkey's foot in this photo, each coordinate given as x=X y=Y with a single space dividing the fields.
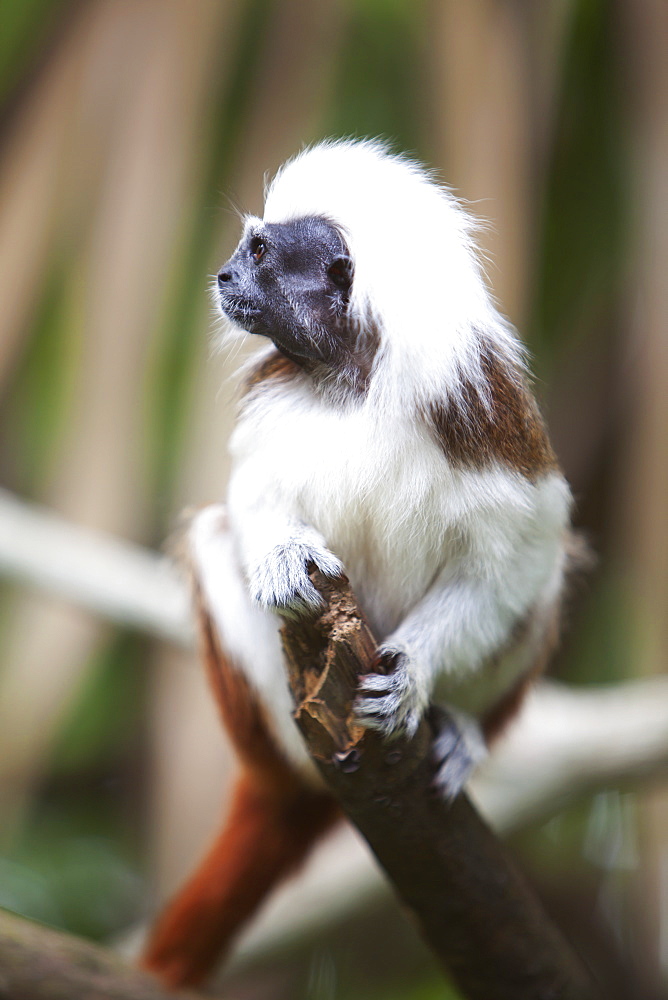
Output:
x=282 y=583
x=390 y=702
x=457 y=749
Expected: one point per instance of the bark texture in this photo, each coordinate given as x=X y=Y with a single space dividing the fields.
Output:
x=475 y=911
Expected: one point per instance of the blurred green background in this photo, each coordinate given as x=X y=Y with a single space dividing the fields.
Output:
x=130 y=134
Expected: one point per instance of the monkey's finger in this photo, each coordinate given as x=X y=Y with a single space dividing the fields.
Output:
x=387 y=705
x=327 y=563
x=388 y=723
x=376 y=683
x=304 y=603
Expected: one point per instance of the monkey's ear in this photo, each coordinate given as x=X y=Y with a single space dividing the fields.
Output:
x=341 y=271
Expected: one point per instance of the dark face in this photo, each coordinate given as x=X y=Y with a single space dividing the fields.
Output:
x=290 y=282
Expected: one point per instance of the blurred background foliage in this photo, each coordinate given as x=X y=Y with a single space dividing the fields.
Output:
x=131 y=134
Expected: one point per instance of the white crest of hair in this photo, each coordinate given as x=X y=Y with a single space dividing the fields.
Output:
x=417 y=276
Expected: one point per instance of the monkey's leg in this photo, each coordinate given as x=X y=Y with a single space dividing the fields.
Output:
x=265 y=838
x=458 y=748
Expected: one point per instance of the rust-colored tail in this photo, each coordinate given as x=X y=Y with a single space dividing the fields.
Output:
x=274 y=819
x=265 y=838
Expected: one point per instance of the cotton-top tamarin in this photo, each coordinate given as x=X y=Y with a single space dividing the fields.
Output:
x=387 y=431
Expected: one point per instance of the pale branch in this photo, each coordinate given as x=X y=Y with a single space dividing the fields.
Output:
x=113 y=578
x=566 y=742
x=571 y=741
x=473 y=909
x=38 y=963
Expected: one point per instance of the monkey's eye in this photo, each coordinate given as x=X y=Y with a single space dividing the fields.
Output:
x=258 y=249
x=341 y=272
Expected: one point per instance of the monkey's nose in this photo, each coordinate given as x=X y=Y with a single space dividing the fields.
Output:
x=224 y=276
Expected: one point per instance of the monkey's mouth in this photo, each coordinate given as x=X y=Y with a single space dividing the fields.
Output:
x=239 y=310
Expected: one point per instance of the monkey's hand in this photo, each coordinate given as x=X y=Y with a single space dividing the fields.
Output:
x=281 y=580
x=392 y=701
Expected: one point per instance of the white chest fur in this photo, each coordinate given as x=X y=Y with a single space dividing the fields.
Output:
x=444 y=560
x=388 y=503
x=370 y=489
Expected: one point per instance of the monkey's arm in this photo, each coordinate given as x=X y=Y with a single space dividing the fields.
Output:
x=274 y=547
x=499 y=593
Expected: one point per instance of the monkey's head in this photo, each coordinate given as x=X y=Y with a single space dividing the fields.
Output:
x=362 y=262
x=290 y=281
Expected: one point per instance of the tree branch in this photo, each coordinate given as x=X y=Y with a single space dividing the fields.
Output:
x=38 y=963
x=476 y=913
x=568 y=741
x=113 y=578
